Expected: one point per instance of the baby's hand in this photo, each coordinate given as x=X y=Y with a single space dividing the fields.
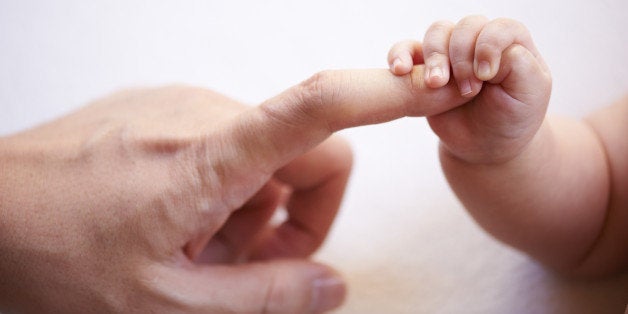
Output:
x=496 y=65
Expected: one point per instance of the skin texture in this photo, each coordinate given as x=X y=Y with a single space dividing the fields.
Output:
x=158 y=200
x=555 y=188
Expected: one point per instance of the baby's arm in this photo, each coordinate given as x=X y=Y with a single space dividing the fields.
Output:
x=554 y=188
x=611 y=248
x=563 y=200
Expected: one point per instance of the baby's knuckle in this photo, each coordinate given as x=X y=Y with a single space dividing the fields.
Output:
x=436 y=56
x=470 y=21
x=458 y=52
x=488 y=45
x=460 y=64
x=517 y=51
x=508 y=24
x=504 y=21
x=441 y=26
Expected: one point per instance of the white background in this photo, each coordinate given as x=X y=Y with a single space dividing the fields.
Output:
x=402 y=240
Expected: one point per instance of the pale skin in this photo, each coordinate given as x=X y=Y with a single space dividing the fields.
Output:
x=553 y=187
x=158 y=200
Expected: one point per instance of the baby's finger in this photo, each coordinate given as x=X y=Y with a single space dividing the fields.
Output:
x=524 y=78
x=461 y=54
x=494 y=39
x=404 y=55
x=436 y=53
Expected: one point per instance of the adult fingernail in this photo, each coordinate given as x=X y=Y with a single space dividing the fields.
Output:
x=327 y=294
x=465 y=87
x=484 y=70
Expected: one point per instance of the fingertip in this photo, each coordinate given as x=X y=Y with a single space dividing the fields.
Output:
x=483 y=70
x=404 y=55
x=465 y=88
x=399 y=66
x=394 y=66
x=302 y=287
x=328 y=292
x=435 y=77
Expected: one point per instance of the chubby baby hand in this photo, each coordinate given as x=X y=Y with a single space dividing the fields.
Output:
x=497 y=67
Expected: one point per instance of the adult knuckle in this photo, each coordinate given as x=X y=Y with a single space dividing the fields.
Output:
x=199 y=181
x=299 y=106
x=312 y=90
x=319 y=89
x=315 y=95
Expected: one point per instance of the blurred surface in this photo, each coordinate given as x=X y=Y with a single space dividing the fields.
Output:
x=402 y=239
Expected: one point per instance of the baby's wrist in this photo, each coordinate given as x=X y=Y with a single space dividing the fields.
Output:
x=488 y=154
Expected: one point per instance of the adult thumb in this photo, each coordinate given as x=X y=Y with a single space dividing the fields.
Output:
x=278 y=286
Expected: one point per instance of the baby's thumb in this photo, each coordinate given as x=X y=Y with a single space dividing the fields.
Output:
x=285 y=286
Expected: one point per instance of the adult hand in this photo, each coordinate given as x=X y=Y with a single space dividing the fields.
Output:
x=158 y=200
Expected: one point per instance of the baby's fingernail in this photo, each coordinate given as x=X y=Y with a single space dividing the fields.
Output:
x=465 y=87
x=484 y=70
x=436 y=72
x=395 y=65
x=327 y=293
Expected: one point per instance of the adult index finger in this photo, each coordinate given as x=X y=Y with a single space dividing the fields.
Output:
x=252 y=146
